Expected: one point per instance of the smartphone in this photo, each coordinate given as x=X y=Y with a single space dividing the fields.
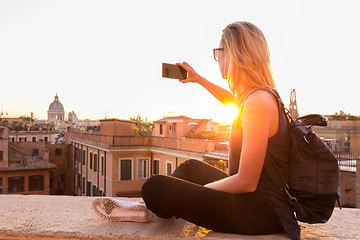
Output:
x=173 y=71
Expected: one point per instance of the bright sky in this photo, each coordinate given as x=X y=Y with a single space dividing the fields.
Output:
x=106 y=55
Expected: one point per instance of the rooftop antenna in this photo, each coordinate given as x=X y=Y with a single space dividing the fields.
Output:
x=105 y=113
x=293 y=105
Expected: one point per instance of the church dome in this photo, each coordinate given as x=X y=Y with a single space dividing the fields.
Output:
x=56 y=106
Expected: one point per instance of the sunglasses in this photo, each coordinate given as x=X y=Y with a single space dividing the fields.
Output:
x=217 y=52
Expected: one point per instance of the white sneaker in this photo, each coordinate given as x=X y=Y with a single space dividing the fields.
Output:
x=121 y=211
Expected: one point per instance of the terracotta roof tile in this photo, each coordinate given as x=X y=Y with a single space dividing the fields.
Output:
x=21 y=160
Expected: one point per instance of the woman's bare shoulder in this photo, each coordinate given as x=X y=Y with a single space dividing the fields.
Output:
x=261 y=100
x=260 y=113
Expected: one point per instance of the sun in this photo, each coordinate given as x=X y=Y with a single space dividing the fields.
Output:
x=226 y=114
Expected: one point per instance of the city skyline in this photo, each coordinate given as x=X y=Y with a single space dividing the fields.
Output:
x=230 y=110
x=104 y=58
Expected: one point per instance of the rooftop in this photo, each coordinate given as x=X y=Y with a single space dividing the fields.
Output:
x=21 y=160
x=66 y=217
x=165 y=119
x=116 y=119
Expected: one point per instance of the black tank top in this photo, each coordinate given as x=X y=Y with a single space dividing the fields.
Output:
x=279 y=149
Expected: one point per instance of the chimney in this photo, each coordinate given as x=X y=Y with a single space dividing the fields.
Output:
x=46 y=155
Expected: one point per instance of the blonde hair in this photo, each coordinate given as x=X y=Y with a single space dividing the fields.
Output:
x=249 y=57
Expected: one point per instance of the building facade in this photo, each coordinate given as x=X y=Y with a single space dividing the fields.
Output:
x=20 y=172
x=61 y=181
x=340 y=134
x=33 y=136
x=117 y=163
x=180 y=126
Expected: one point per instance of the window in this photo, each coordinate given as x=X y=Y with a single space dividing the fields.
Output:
x=46 y=139
x=95 y=162
x=88 y=189
x=161 y=129
x=75 y=154
x=125 y=169
x=11 y=139
x=58 y=152
x=90 y=161
x=83 y=158
x=83 y=186
x=15 y=184
x=143 y=168
x=1 y=185
x=156 y=167
x=22 y=139
x=36 y=183
x=94 y=191
x=168 y=168
x=102 y=165
x=35 y=152
x=1 y=156
x=33 y=139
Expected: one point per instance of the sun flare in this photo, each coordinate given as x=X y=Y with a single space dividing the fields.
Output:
x=227 y=113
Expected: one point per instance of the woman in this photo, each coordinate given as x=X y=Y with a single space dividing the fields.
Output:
x=246 y=201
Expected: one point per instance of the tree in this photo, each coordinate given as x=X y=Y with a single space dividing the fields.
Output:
x=145 y=129
x=17 y=126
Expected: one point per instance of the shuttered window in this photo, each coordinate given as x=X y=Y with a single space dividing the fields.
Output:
x=143 y=168
x=90 y=160
x=95 y=162
x=125 y=169
x=168 y=168
x=156 y=167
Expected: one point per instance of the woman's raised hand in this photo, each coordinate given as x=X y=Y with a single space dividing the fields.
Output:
x=193 y=76
x=221 y=94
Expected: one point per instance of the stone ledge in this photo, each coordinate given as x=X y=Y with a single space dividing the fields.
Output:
x=66 y=217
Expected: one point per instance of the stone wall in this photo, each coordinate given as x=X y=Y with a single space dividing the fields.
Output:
x=348 y=188
x=66 y=217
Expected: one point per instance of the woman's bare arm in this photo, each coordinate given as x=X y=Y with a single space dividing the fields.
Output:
x=224 y=96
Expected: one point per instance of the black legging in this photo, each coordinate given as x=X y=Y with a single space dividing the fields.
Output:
x=182 y=195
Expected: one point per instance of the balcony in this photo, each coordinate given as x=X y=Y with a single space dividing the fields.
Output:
x=66 y=217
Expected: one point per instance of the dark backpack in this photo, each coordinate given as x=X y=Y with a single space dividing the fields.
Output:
x=313 y=188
